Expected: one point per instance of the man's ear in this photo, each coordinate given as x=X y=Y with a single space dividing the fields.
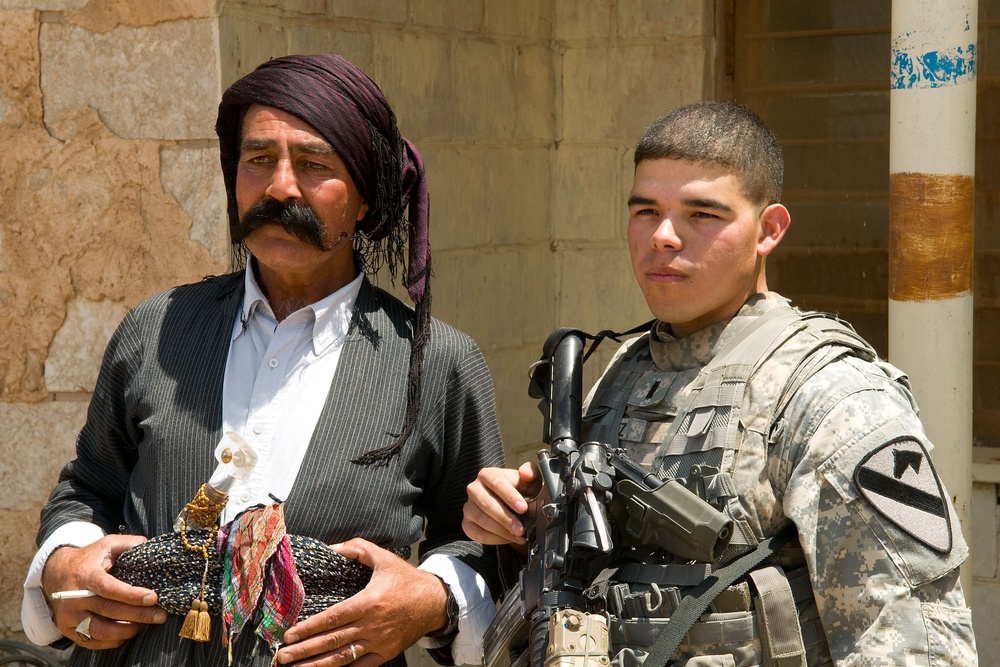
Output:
x=774 y=221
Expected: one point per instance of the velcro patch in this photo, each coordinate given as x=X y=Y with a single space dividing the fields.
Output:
x=899 y=481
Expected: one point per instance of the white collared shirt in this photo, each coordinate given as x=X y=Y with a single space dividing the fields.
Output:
x=277 y=378
x=278 y=375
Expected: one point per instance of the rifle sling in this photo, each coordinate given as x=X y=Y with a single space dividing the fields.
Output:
x=697 y=600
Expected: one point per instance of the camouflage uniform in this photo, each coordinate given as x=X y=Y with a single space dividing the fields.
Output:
x=840 y=453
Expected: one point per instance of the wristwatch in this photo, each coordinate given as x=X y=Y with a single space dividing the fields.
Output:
x=451 y=607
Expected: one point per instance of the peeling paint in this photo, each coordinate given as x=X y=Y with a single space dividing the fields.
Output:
x=930 y=236
x=933 y=69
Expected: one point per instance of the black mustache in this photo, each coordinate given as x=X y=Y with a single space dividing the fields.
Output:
x=294 y=217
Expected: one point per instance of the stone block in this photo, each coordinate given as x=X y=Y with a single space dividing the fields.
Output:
x=535 y=93
x=104 y=15
x=291 y=7
x=612 y=94
x=17 y=547
x=37 y=307
x=583 y=19
x=457 y=182
x=502 y=298
x=245 y=43
x=586 y=201
x=518 y=188
x=414 y=71
x=42 y=6
x=40 y=439
x=597 y=289
x=20 y=96
x=127 y=238
x=355 y=46
x=78 y=346
x=983 y=537
x=485 y=92
x=520 y=420
x=191 y=175
x=458 y=15
x=521 y=19
x=154 y=83
x=383 y=11
x=640 y=18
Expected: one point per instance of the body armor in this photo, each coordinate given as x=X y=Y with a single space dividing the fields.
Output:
x=711 y=428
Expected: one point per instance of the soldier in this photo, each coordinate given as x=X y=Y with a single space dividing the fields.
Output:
x=783 y=420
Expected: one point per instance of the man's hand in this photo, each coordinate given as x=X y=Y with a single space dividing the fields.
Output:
x=117 y=610
x=497 y=499
x=399 y=605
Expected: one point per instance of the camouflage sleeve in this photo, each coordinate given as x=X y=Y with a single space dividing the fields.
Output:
x=877 y=528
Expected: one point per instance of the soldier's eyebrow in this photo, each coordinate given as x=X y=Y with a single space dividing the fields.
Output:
x=638 y=200
x=714 y=204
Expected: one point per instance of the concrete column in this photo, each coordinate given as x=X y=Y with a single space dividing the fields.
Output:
x=931 y=186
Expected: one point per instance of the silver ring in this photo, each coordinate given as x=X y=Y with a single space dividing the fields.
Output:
x=83 y=630
x=354 y=653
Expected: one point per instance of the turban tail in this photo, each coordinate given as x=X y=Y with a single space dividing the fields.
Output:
x=348 y=109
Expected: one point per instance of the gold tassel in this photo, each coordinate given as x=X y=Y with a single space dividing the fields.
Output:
x=197 y=623
x=190 y=627
x=204 y=629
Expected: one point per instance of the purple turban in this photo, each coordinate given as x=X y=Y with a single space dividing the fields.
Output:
x=348 y=109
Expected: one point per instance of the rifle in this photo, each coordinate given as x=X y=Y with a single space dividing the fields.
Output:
x=594 y=501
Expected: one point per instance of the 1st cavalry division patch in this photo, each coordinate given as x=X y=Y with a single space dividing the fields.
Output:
x=900 y=482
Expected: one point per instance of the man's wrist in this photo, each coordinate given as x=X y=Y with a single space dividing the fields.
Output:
x=452 y=612
x=46 y=580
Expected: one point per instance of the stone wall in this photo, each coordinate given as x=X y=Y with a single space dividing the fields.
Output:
x=110 y=194
x=525 y=111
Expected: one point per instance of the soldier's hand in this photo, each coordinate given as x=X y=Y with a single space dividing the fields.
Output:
x=117 y=611
x=399 y=605
x=497 y=499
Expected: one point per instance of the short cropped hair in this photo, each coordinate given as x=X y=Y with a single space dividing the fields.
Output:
x=726 y=134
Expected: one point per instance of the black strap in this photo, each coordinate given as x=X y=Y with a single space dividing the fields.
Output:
x=696 y=602
x=539 y=372
x=596 y=339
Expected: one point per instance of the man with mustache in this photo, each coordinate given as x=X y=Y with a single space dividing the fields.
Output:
x=784 y=421
x=368 y=418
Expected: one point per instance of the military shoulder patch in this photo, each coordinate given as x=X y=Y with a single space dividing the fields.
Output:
x=900 y=482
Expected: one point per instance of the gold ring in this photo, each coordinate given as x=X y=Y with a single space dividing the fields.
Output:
x=354 y=653
x=83 y=630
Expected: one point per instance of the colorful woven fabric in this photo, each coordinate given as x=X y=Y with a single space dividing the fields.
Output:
x=250 y=542
x=284 y=596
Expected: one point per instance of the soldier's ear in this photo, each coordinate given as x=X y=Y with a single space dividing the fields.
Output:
x=774 y=222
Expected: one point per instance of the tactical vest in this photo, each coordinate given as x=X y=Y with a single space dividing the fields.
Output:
x=771 y=614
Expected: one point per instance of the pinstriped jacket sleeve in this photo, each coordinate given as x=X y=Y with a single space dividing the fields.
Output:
x=472 y=441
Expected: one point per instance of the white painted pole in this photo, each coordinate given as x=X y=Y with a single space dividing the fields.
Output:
x=932 y=142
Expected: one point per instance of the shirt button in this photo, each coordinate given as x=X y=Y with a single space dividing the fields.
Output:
x=257 y=428
x=273 y=363
x=245 y=496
